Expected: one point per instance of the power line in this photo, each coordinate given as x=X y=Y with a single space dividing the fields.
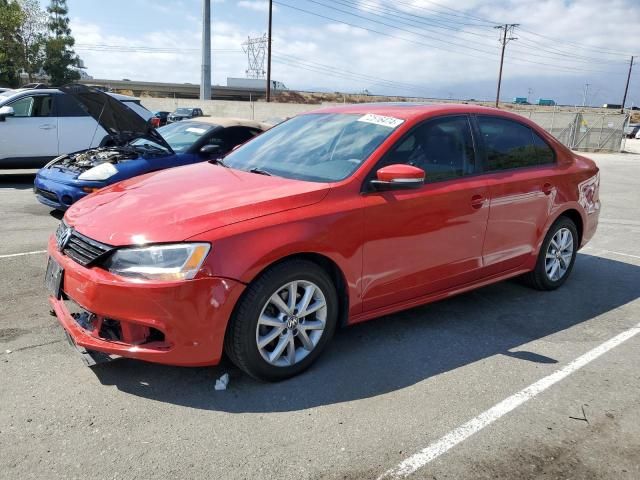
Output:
x=144 y=49
x=459 y=13
x=361 y=75
x=567 y=42
x=352 y=4
x=333 y=73
x=423 y=22
x=391 y=26
x=489 y=55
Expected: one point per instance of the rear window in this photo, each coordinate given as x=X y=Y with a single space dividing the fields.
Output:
x=139 y=109
x=510 y=144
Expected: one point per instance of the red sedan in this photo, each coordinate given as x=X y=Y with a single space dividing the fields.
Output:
x=330 y=218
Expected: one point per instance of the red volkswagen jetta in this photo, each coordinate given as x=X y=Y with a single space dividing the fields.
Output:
x=332 y=217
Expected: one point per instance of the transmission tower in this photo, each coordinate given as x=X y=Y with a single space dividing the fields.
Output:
x=255 y=48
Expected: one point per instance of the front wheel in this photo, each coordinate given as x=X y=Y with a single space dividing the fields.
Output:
x=557 y=256
x=283 y=321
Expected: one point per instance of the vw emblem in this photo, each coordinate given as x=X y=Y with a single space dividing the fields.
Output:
x=63 y=234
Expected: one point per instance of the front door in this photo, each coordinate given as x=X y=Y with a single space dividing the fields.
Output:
x=30 y=136
x=429 y=239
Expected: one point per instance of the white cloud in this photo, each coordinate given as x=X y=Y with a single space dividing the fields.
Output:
x=257 y=5
x=435 y=54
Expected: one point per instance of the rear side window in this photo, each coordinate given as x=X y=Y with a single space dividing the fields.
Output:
x=510 y=144
x=67 y=106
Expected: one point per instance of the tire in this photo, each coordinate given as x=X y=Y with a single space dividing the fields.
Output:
x=543 y=277
x=266 y=338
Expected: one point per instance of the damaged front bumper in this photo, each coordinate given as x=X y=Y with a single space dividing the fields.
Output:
x=175 y=323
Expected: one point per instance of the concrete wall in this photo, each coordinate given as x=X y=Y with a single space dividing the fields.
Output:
x=226 y=108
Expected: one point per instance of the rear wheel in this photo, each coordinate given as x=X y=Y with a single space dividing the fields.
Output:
x=283 y=321
x=557 y=256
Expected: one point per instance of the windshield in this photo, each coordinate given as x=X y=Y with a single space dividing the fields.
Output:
x=320 y=147
x=180 y=136
x=183 y=111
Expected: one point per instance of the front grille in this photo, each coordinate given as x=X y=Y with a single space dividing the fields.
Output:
x=81 y=249
x=46 y=194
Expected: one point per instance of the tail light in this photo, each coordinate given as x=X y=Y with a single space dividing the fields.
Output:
x=155 y=122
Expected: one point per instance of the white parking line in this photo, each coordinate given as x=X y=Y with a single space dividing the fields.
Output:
x=463 y=432
x=22 y=254
x=611 y=252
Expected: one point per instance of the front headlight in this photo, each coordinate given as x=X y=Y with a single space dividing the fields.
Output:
x=54 y=161
x=100 y=172
x=179 y=261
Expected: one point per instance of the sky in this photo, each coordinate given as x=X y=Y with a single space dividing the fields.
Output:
x=436 y=49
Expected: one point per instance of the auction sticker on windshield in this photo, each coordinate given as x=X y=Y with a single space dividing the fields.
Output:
x=196 y=130
x=382 y=120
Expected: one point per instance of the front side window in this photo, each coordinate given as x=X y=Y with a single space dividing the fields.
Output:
x=442 y=147
x=319 y=147
x=510 y=144
x=33 y=106
x=229 y=137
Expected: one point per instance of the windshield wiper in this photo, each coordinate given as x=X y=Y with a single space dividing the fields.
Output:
x=219 y=161
x=259 y=171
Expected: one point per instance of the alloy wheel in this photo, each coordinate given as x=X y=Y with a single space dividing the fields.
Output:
x=291 y=323
x=559 y=254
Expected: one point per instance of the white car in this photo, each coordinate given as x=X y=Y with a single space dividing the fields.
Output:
x=39 y=124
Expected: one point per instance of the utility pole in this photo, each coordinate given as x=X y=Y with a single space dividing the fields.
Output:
x=626 y=87
x=269 y=52
x=506 y=37
x=205 y=74
x=585 y=93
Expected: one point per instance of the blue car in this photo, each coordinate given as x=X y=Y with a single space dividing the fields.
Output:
x=135 y=148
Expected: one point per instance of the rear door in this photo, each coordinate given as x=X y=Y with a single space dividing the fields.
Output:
x=520 y=172
x=425 y=240
x=77 y=130
x=29 y=138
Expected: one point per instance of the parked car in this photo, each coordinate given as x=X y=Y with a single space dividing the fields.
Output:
x=183 y=114
x=37 y=125
x=631 y=130
x=162 y=117
x=331 y=218
x=140 y=149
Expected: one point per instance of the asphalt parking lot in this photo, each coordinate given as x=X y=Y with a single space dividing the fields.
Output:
x=388 y=397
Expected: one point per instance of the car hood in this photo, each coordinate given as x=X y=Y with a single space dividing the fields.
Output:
x=176 y=204
x=121 y=123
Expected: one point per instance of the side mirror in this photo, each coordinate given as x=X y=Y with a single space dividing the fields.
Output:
x=398 y=177
x=211 y=150
x=6 y=112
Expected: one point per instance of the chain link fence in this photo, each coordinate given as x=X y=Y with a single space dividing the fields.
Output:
x=589 y=132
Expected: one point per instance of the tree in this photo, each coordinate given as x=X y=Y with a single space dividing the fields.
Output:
x=60 y=57
x=32 y=35
x=10 y=20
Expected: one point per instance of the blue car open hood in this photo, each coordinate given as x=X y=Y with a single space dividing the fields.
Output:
x=121 y=123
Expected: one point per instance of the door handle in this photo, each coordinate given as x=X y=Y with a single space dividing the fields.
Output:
x=47 y=126
x=547 y=188
x=477 y=201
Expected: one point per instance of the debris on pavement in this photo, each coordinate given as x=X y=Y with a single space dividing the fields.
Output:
x=222 y=382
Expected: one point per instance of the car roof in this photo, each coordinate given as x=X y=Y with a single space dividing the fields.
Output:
x=117 y=96
x=408 y=110
x=231 y=122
